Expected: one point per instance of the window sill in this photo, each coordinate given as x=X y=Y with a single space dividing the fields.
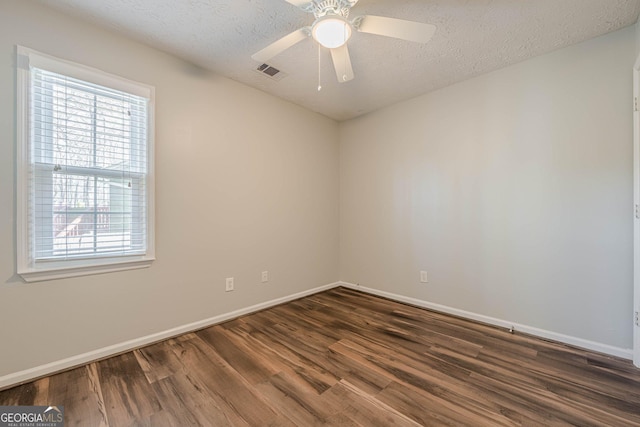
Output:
x=50 y=272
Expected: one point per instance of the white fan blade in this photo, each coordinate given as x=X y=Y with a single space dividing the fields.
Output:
x=342 y=63
x=281 y=45
x=398 y=28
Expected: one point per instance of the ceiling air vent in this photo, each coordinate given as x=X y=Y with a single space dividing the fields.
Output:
x=271 y=72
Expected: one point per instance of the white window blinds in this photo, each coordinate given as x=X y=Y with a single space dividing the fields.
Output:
x=84 y=162
x=88 y=147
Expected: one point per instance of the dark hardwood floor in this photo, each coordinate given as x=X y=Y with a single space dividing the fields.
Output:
x=345 y=358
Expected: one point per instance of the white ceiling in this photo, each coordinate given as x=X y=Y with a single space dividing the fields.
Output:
x=472 y=37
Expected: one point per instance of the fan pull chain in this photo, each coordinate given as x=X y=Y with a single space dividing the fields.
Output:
x=319 y=68
x=344 y=63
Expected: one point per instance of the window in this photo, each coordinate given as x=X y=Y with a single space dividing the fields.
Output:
x=85 y=163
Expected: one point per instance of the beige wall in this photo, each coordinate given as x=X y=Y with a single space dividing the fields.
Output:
x=637 y=27
x=245 y=183
x=513 y=190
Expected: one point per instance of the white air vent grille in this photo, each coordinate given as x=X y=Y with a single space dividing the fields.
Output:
x=271 y=72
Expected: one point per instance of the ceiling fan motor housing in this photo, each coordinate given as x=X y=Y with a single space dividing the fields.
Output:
x=333 y=7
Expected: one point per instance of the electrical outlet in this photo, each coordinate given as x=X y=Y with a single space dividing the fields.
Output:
x=229 y=284
x=423 y=277
x=265 y=276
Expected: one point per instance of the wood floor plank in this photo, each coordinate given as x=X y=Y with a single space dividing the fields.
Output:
x=185 y=398
x=516 y=381
x=367 y=409
x=32 y=393
x=301 y=405
x=344 y=358
x=281 y=359
x=359 y=375
x=79 y=391
x=513 y=406
x=231 y=392
x=97 y=399
x=435 y=376
x=427 y=411
x=439 y=389
x=165 y=419
x=236 y=353
x=129 y=399
x=158 y=361
x=313 y=366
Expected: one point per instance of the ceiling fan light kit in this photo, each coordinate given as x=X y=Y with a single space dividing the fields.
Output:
x=331 y=32
x=332 y=29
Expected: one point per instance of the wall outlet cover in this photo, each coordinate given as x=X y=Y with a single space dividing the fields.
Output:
x=423 y=277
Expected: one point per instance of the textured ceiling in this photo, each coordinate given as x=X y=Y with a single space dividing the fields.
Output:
x=472 y=37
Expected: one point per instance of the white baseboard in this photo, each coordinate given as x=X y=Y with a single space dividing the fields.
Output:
x=26 y=375
x=578 y=342
x=20 y=377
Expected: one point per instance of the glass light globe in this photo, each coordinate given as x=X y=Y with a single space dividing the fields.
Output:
x=331 y=32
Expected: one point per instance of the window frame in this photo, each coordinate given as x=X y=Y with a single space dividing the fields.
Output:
x=27 y=266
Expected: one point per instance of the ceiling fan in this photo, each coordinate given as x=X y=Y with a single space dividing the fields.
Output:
x=332 y=29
